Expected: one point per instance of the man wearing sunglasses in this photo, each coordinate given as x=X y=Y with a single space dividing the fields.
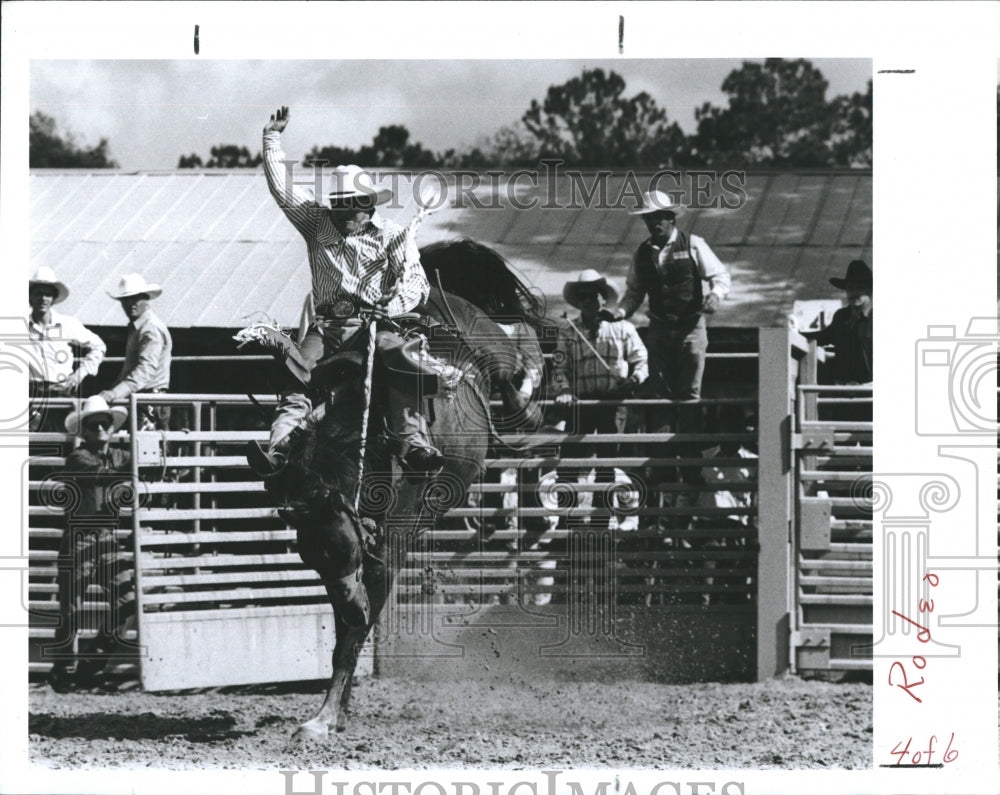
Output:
x=96 y=475
x=355 y=256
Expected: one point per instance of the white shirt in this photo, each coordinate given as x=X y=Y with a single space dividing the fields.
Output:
x=53 y=361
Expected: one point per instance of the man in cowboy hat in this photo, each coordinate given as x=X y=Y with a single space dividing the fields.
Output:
x=671 y=268
x=594 y=359
x=51 y=371
x=355 y=255
x=850 y=331
x=88 y=550
x=147 y=347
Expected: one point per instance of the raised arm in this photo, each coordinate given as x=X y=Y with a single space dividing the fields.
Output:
x=298 y=206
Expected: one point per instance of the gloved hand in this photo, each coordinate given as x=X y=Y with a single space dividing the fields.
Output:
x=611 y=317
x=710 y=304
x=625 y=389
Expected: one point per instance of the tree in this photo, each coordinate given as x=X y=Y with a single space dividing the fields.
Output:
x=223 y=156
x=852 y=129
x=335 y=155
x=232 y=156
x=47 y=148
x=512 y=146
x=777 y=115
x=587 y=121
x=390 y=148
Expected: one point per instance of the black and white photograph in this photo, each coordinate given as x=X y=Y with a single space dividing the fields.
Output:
x=472 y=423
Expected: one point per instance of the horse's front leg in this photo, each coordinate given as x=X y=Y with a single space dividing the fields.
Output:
x=349 y=599
x=377 y=582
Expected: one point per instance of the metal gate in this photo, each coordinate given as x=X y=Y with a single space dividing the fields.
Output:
x=831 y=625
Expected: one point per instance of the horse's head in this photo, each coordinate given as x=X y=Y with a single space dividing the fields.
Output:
x=482 y=277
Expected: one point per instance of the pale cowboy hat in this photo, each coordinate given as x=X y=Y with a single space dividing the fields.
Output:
x=654 y=201
x=588 y=281
x=353 y=186
x=92 y=406
x=134 y=284
x=46 y=276
x=858 y=273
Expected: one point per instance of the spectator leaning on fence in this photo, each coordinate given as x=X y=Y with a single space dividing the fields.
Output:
x=594 y=359
x=850 y=331
x=147 y=350
x=670 y=267
x=89 y=552
x=51 y=370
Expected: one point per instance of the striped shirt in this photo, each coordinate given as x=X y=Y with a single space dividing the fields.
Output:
x=357 y=266
x=577 y=368
x=53 y=360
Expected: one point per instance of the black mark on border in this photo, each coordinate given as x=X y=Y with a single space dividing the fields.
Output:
x=896 y=71
x=195 y=39
x=621 y=35
x=935 y=764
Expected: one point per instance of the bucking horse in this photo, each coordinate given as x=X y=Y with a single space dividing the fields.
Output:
x=356 y=511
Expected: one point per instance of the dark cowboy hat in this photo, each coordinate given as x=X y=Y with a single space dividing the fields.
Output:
x=858 y=273
x=588 y=280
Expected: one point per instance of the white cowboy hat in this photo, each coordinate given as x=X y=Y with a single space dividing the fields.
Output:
x=587 y=281
x=352 y=183
x=91 y=406
x=46 y=276
x=654 y=201
x=134 y=284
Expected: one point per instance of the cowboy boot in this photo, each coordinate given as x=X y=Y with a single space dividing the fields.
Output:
x=423 y=459
x=289 y=418
x=417 y=453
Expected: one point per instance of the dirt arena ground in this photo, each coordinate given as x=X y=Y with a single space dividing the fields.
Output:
x=784 y=723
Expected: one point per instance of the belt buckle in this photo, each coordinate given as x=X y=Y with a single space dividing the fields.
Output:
x=340 y=309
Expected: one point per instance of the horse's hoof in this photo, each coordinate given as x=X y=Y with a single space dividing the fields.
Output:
x=341 y=722
x=310 y=731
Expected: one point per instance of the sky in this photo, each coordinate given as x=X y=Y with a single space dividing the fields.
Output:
x=153 y=112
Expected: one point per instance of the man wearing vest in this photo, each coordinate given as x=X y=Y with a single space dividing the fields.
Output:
x=671 y=267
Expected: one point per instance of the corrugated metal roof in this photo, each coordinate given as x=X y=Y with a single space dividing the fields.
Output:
x=222 y=249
